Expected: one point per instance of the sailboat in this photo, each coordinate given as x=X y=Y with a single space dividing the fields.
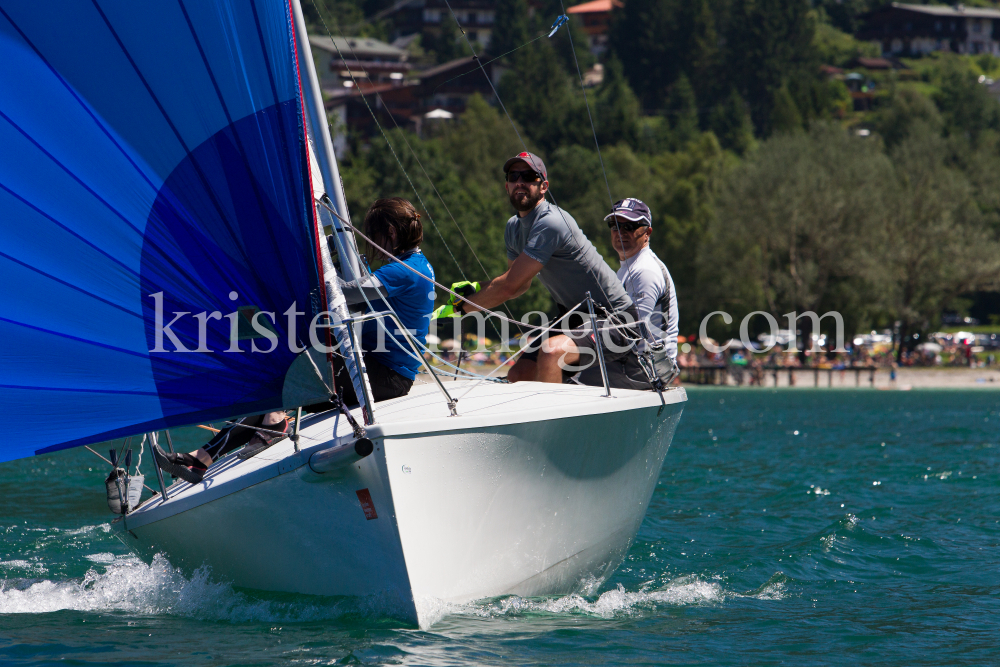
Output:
x=167 y=184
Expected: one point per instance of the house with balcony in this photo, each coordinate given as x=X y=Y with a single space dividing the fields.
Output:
x=913 y=30
x=426 y=16
x=370 y=61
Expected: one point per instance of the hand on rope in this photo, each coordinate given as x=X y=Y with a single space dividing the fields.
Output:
x=460 y=291
x=464 y=289
x=445 y=311
x=455 y=295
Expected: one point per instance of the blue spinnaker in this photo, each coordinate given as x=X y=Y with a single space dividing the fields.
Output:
x=152 y=152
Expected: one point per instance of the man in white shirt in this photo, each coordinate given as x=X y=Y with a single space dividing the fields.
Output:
x=651 y=288
x=644 y=276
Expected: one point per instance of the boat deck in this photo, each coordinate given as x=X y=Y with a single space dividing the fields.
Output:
x=422 y=411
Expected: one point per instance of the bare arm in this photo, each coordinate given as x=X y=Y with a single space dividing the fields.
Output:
x=511 y=284
x=370 y=285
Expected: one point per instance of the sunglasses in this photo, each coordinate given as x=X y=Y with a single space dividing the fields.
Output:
x=527 y=175
x=623 y=225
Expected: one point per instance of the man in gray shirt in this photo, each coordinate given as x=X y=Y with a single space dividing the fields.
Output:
x=544 y=240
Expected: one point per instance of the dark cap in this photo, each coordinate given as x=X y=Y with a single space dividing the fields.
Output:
x=632 y=210
x=533 y=161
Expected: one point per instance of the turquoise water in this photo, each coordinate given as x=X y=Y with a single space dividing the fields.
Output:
x=788 y=526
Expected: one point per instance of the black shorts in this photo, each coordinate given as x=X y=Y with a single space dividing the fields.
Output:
x=385 y=383
x=624 y=373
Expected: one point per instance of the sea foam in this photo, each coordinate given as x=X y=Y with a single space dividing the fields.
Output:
x=125 y=584
x=613 y=603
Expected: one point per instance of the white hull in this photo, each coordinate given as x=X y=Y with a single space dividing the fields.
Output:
x=533 y=489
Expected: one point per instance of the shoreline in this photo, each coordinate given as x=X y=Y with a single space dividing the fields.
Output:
x=806 y=378
x=906 y=378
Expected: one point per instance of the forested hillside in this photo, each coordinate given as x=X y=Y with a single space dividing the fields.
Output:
x=768 y=190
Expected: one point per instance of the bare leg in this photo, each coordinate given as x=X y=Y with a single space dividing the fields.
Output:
x=523 y=370
x=203 y=456
x=272 y=418
x=556 y=353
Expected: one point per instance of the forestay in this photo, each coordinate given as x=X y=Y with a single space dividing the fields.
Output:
x=150 y=148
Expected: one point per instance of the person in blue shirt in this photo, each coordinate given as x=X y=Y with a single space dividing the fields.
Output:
x=393 y=224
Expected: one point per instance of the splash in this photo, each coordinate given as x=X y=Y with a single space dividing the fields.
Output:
x=685 y=591
x=30 y=567
x=125 y=584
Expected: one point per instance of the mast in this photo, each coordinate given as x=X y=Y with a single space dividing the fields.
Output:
x=319 y=130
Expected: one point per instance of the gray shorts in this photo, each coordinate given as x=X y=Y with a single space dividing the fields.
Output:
x=618 y=343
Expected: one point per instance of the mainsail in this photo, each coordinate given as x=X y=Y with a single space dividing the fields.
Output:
x=154 y=196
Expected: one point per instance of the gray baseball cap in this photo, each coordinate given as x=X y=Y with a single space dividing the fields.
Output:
x=533 y=161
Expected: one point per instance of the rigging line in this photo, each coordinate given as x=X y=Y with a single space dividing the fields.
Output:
x=586 y=102
x=385 y=299
x=475 y=57
x=89 y=449
x=377 y=16
x=391 y=149
x=523 y=348
x=502 y=55
x=419 y=163
x=593 y=129
x=409 y=268
x=142 y=448
x=468 y=374
x=514 y=126
x=491 y=313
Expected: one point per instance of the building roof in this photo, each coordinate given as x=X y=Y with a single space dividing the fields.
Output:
x=950 y=11
x=594 y=7
x=362 y=48
x=465 y=62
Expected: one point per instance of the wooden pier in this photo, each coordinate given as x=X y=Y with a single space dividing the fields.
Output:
x=798 y=376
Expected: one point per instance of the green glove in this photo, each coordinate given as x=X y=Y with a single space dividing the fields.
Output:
x=444 y=311
x=465 y=288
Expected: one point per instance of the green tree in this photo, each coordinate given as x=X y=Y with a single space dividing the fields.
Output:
x=446 y=44
x=510 y=27
x=967 y=106
x=936 y=245
x=616 y=108
x=770 y=44
x=657 y=40
x=321 y=15
x=906 y=112
x=731 y=123
x=846 y=15
x=682 y=113
x=793 y=228
x=542 y=97
x=785 y=116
